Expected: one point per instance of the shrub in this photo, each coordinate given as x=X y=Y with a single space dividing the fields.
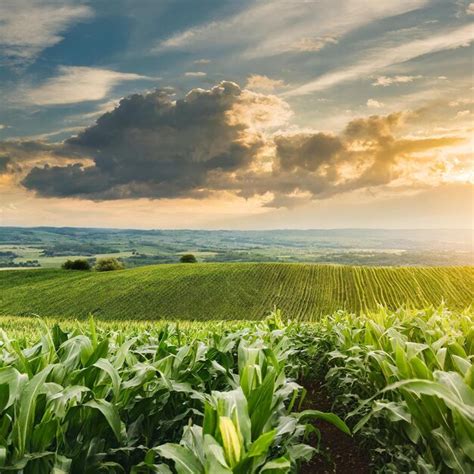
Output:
x=79 y=264
x=108 y=264
x=188 y=258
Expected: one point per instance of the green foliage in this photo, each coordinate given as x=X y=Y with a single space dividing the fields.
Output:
x=77 y=248
x=405 y=379
x=89 y=401
x=230 y=291
x=147 y=247
x=188 y=258
x=221 y=397
x=108 y=264
x=79 y=264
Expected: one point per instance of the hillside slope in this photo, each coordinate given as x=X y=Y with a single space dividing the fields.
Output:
x=229 y=291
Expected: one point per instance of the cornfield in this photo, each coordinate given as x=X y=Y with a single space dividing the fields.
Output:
x=226 y=398
x=231 y=291
x=405 y=381
x=90 y=401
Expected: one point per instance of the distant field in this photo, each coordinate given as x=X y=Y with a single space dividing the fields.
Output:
x=49 y=247
x=229 y=291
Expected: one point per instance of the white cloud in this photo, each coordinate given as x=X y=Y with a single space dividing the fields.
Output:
x=27 y=27
x=2 y=126
x=100 y=109
x=180 y=39
x=461 y=101
x=195 y=74
x=312 y=44
x=470 y=9
x=385 y=81
x=463 y=113
x=202 y=61
x=78 y=84
x=48 y=135
x=263 y=83
x=268 y=27
x=374 y=104
x=382 y=57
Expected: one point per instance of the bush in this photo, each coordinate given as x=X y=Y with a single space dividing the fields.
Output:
x=79 y=264
x=188 y=258
x=108 y=264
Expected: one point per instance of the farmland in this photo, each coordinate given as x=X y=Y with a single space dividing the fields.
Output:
x=405 y=383
x=49 y=247
x=177 y=372
x=244 y=291
x=230 y=399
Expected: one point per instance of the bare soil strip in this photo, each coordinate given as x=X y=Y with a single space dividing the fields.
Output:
x=340 y=452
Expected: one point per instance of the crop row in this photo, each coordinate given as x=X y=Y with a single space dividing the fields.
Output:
x=405 y=381
x=154 y=401
x=222 y=397
x=230 y=291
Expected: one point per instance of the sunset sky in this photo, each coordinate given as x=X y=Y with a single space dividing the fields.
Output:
x=237 y=114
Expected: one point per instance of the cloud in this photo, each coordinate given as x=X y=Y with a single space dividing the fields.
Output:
x=56 y=133
x=312 y=44
x=27 y=27
x=4 y=164
x=32 y=151
x=374 y=104
x=78 y=84
x=306 y=150
x=263 y=83
x=2 y=126
x=267 y=27
x=464 y=113
x=154 y=146
x=195 y=74
x=19 y=156
x=383 y=57
x=226 y=139
x=461 y=101
x=386 y=81
x=202 y=61
x=366 y=154
x=99 y=110
x=470 y=9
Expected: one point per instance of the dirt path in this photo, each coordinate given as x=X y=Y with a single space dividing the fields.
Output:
x=340 y=452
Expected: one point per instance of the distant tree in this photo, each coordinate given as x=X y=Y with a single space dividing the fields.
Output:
x=79 y=264
x=108 y=264
x=188 y=258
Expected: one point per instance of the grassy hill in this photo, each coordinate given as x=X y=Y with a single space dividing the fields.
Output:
x=230 y=291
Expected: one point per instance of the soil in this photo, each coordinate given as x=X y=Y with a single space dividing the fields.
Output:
x=340 y=452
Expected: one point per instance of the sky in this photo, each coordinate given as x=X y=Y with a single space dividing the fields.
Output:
x=248 y=114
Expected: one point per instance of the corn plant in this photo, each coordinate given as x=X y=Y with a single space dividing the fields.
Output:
x=407 y=380
x=91 y=400
x=252 y=428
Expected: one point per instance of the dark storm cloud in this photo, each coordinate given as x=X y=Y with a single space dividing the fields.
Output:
x=4 y=162
x=154 y=146
x=64 y=181
x=17 y=156
x=315 y=163
x=307 y=151
x=367 y=153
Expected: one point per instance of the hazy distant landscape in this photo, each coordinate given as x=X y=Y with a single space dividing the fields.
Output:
x=49 y=247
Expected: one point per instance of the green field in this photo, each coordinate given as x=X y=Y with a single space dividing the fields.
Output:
x=231 y=397
x=230 y=291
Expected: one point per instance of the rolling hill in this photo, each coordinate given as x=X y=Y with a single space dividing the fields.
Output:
x=230 y=290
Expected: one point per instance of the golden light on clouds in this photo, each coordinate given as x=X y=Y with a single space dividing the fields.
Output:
x=249 y=158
